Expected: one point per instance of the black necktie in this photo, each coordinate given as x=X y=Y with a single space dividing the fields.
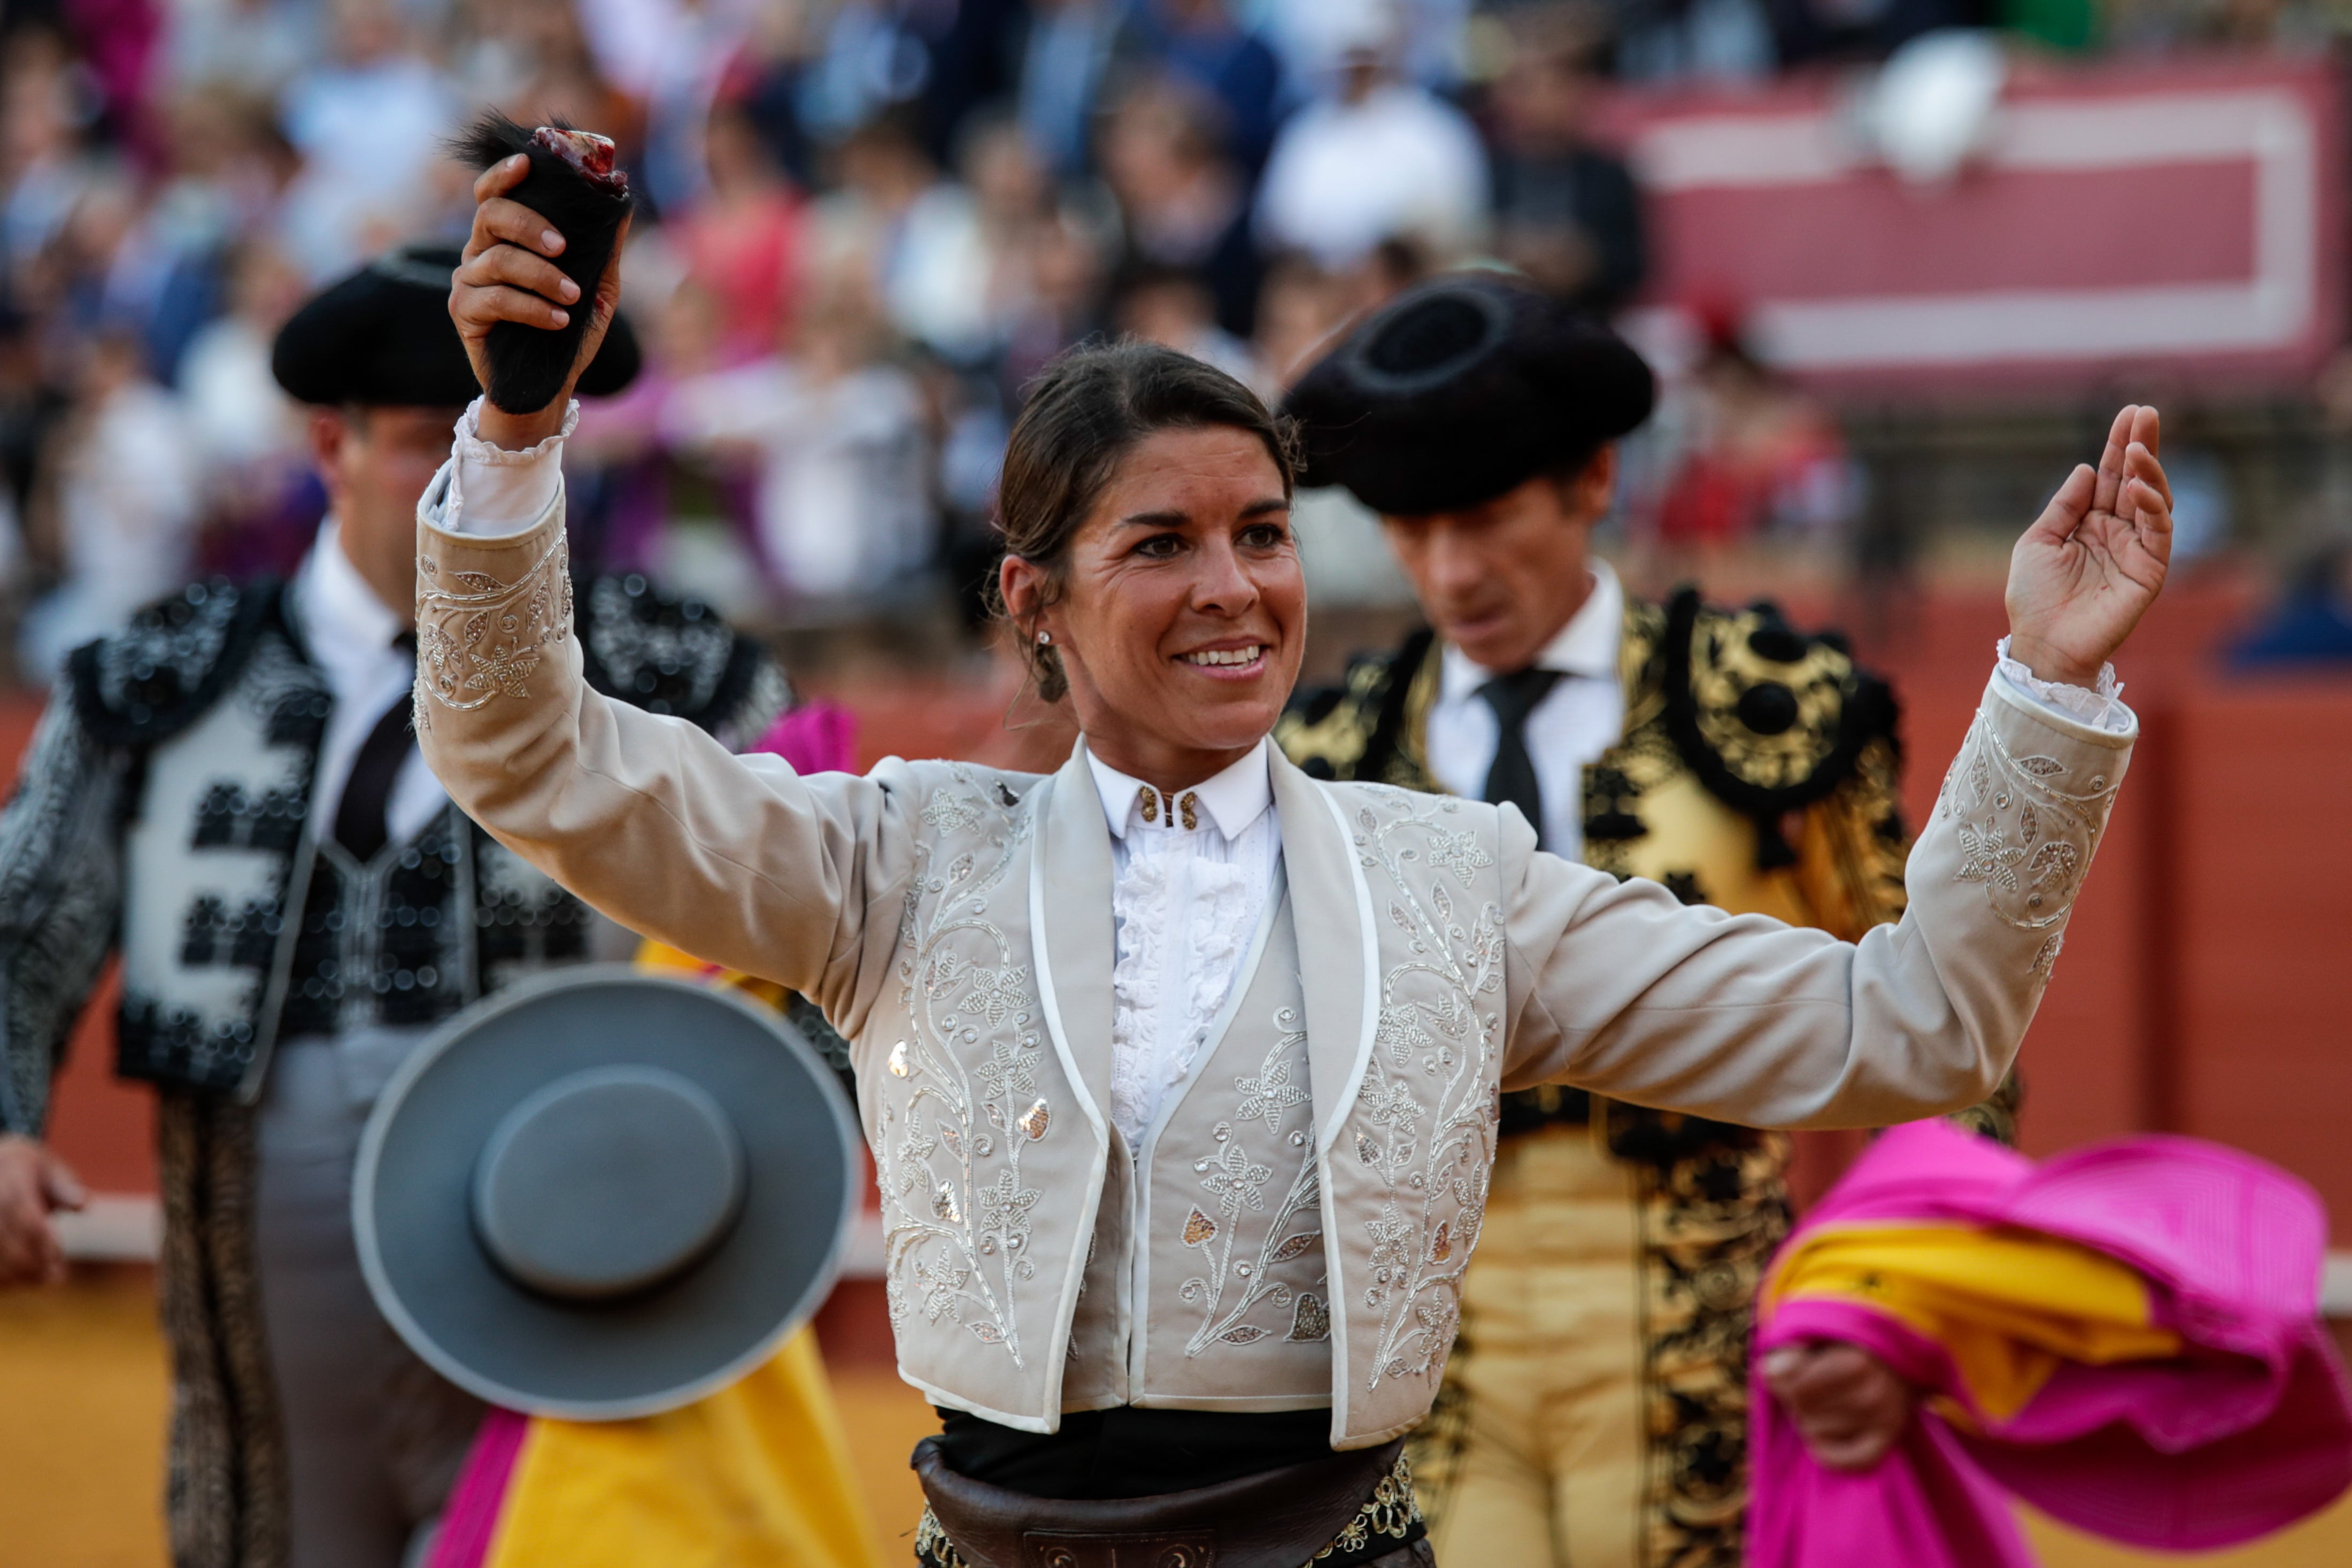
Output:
x=359 y=821
x=1513 y=777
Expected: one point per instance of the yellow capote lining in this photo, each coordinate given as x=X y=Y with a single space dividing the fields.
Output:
x=756 y=1473
x=2009 y=1306
x=661 y=959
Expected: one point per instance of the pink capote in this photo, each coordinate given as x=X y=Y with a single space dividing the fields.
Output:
x=2246 y=1431
x=814 y=737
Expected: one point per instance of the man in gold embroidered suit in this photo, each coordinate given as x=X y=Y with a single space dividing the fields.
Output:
x=1595 y=1407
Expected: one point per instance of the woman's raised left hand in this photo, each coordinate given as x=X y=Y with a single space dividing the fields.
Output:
x=2095 y=560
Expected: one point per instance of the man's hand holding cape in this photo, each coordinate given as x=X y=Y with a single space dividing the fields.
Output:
x=2127 y=1337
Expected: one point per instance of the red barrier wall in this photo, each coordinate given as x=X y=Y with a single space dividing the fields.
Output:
x=2252 y=974
x=2002 y=279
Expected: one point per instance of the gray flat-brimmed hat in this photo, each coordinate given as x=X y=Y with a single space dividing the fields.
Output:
x=605 y=1194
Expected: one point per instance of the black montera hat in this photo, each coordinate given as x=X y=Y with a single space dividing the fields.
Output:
x=384 y=336
x=601 y=1194
x=1461 y=388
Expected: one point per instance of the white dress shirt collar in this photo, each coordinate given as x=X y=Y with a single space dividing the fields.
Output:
x=342 y=617
x=1232 y=799
x=349 y=634
x=1587 y=645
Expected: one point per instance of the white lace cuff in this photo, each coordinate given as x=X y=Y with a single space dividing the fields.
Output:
x=494 y=493
x=2101 y=707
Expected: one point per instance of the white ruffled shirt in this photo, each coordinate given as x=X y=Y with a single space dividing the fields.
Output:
x=1190 y=875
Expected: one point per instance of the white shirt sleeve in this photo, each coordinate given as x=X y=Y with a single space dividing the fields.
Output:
x=493 y=493
x=2101 y=707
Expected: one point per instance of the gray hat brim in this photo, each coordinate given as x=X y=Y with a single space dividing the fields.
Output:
x=659 y=1349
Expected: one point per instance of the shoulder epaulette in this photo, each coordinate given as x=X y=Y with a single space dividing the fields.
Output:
x=165 y=669
x=1352 y=729
x=1769 y=720
x=670 y=655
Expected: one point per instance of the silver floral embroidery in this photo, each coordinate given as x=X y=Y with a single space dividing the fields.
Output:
x=480 y=638
x=1400 y=1033
x=2046 y=957
x=1388 y=1104
x=1423 y=1118
x=1985 y=856
x=945 y=813
x=942 y=1286
x=957 y=1215
x=1010 y=1072
x=1235 y=1181
x=2024 y=835
x=995 y=993
x=1231 y=1177
x=1457 y=852
x=1272 y=1091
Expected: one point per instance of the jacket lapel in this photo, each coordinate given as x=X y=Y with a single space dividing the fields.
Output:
x=1338 y=964
x=1070 y=913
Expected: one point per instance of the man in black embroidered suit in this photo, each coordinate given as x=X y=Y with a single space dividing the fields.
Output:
x=229 y=793
x=1595 y=1410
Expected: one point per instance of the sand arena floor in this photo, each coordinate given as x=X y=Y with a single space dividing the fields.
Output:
x=81 y=1429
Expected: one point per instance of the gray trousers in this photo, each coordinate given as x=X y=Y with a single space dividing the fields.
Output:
x=374 y=1437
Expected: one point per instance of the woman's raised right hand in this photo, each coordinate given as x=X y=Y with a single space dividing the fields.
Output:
x=505 y=274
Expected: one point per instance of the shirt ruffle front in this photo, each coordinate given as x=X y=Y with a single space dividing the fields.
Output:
x=1139 y=903
x=1185 y=921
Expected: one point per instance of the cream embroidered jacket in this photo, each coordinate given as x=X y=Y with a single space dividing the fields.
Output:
x=1293 y=1227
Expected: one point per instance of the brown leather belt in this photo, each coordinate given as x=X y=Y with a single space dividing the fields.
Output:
x=1276 y=1519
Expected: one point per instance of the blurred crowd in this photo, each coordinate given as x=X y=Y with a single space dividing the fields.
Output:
x=865 y=223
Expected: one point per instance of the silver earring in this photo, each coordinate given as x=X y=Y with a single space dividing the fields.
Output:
x=1044 y=639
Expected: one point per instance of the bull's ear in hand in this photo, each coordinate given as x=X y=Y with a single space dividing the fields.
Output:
x=572 y=184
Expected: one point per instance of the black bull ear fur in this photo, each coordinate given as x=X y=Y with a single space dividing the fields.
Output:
x=528 y=364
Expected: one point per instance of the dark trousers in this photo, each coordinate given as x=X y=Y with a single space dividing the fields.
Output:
x=374 y=1437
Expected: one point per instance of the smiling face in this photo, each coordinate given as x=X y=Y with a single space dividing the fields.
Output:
x=1181 y=612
